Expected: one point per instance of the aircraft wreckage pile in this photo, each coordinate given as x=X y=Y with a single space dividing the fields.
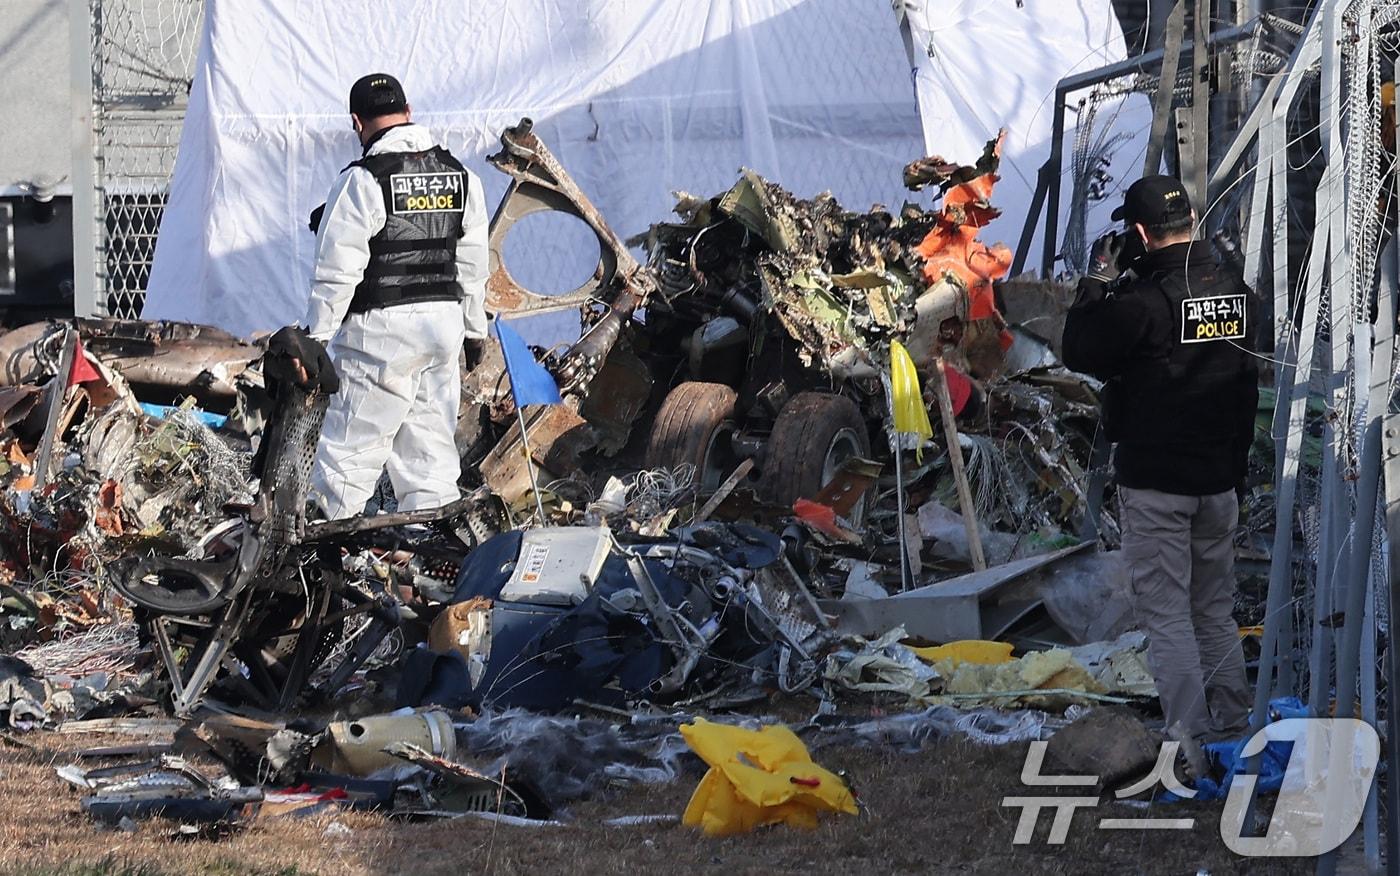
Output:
x=727 y=519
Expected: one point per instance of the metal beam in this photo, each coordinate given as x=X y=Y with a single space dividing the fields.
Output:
x=1166 y=89
x=1392 y=661
x=1295 y=396
x=1023 y=246
x=1200 y=111
x=1292 y=396
x=1334 y=514
x=1347 y=590
x=1051 y=243
x=1149 y=61
x=1187 y=154
x=1385 y=313
x=1294 y=399
x=1370 y=817
x=86 y=230
x=1367 y=489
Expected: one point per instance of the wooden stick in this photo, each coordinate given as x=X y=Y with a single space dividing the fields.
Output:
x=739 y=473
x=950 y=430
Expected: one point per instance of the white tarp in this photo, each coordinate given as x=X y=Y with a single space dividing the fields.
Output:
x=636 y=97
x=981 y=65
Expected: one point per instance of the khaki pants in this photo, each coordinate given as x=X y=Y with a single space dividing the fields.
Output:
x=1181 y=564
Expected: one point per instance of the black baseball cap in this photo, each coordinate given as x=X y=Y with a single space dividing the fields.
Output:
x=377 y=94
x=1154 y=200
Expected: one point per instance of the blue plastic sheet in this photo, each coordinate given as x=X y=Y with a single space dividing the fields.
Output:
x=1225 y=758
x=160 y=412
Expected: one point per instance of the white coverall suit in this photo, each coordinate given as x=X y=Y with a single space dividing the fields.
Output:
x=400 y=378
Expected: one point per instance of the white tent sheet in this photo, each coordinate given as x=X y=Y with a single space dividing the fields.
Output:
x=981 y=65
x=636 y=97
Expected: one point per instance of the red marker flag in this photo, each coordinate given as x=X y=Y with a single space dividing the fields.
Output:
x=82 y=370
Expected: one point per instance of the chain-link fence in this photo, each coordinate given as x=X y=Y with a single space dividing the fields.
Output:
x=141 y=55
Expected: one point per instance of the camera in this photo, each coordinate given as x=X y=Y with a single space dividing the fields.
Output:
x=1132 y=247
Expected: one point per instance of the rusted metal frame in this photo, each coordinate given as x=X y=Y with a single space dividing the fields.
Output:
x=849 y=485
x=542 y=183
x=225 y=632
x=557 y=434
x=334 y=529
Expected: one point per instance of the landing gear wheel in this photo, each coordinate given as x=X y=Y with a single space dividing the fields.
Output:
x=814 y=434
x=693 y=426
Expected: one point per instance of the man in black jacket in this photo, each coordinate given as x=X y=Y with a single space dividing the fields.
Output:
x=1171 y=334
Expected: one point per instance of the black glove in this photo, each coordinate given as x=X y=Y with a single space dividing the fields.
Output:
x=295 y=357
x=1104 y=257
x=472 y=350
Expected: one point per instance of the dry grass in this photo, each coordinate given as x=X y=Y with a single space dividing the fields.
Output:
x=935 y=812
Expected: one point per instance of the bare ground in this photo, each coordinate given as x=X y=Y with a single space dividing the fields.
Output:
x=933 y=812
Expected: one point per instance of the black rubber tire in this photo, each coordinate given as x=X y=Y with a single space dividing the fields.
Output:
x=686 y=424
x=802 y=436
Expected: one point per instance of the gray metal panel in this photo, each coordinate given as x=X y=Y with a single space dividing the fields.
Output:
x=965 y=607
x=1391 y=470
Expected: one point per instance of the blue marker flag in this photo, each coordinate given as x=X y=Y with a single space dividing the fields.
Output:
x=529 y=382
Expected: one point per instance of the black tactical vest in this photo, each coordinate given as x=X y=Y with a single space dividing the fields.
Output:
x=414 y=257
x=1192 y=387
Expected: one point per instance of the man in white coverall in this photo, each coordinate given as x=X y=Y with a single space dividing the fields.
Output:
x=399 y=288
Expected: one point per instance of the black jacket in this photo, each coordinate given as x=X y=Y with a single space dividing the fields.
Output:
x=1174 y=341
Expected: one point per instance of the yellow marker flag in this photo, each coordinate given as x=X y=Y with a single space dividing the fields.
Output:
x=910 y=414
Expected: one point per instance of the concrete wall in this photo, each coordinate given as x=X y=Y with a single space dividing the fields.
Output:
x=35 y=62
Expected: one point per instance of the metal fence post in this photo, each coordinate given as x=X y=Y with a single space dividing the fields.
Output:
x=86 y=283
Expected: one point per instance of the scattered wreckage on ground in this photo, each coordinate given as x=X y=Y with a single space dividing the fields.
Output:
x=728 y=514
